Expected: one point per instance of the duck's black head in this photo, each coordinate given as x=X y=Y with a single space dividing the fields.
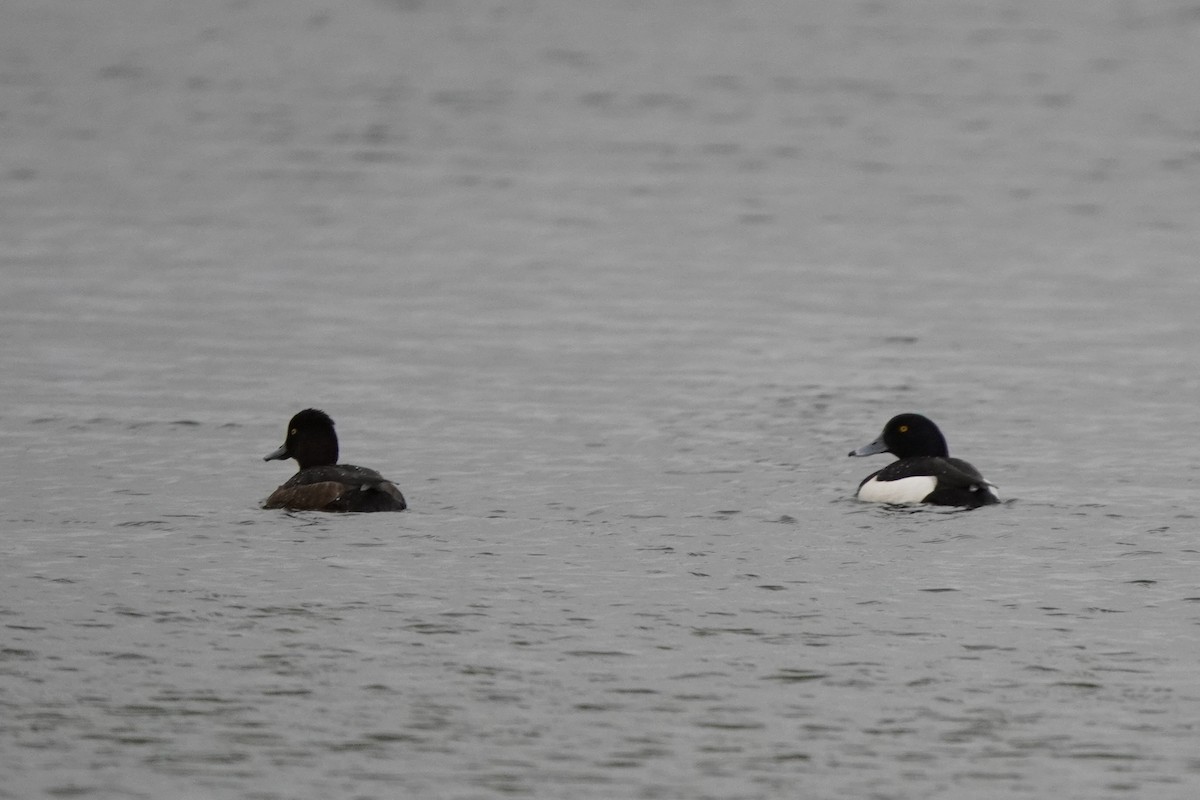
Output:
x=906 y=436
x=310 y=440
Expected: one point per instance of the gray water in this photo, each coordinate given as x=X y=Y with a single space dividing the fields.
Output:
x=609 y=290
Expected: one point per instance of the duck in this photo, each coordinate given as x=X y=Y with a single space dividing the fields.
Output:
x=925 y=471
x=322 y=484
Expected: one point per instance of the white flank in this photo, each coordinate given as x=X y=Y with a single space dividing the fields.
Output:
x=903 y=491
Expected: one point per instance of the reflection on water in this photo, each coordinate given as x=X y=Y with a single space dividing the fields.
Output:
x=610 y=293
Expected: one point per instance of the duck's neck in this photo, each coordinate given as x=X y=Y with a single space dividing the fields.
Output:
x=316 y=453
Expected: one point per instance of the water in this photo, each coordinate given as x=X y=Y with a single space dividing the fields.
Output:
x=609 y=290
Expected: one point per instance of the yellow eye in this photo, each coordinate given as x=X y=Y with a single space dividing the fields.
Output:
x=903 y=429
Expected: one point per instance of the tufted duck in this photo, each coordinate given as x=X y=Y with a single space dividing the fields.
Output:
x=925 y=472
x=322 y=484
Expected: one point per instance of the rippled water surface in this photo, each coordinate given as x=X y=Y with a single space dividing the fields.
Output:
x=610 y=290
